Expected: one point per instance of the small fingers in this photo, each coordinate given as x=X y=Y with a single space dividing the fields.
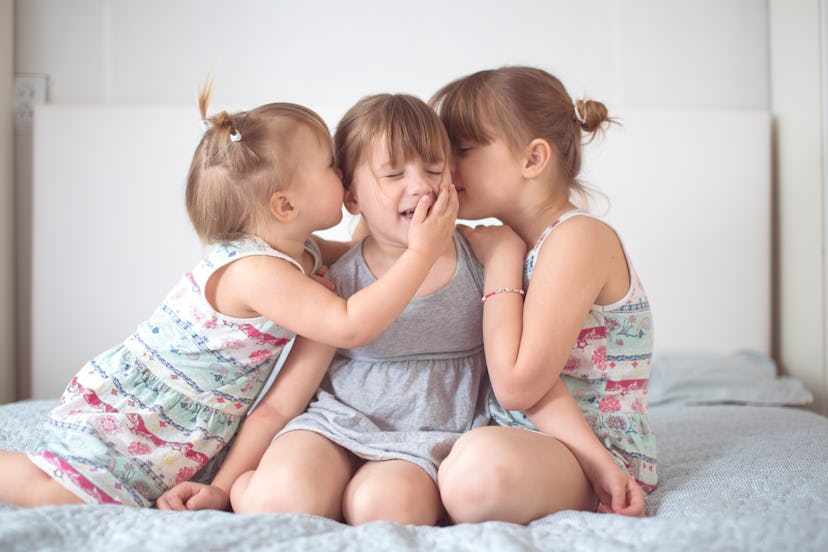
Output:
x=168 y=501
x=636 y=499
x=447 y=201
x=619 y=496
x=603 y=509
x=442 y=201
x=421 y=210
x=199 y=501
x=630 y=502
x=324 y=281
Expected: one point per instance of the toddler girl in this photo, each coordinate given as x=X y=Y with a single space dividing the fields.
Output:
x=151 y=412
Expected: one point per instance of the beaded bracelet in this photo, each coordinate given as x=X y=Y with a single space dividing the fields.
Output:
x=502 y=290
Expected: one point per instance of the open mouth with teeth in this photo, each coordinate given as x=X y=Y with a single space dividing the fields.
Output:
x=407 y=214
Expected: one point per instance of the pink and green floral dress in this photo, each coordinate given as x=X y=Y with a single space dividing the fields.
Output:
x=152 y=411
x=607 y=373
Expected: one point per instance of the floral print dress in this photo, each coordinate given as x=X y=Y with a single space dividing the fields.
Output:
x=152 y=411
x=607 y=373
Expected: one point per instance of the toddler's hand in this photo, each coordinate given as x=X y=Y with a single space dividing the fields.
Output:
x=495 y=242
x=189 y=495
x=430 y=231
x=320 y=278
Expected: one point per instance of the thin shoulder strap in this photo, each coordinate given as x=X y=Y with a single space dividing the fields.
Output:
x=464 y=250
x=313 y=248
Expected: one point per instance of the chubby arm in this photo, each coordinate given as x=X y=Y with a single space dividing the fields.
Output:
x=289 y=395
x=276 y=290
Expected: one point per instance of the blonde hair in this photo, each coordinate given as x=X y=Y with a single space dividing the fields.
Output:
x=242 y=159
x=519 y=104
x=410 y=127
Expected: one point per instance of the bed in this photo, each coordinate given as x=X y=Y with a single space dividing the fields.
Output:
x=742 y=467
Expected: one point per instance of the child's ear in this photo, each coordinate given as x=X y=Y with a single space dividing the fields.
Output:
x=538 y=156
x=282 y=207
x=351 y=203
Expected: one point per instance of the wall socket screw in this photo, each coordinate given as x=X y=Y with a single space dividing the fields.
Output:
x=29 y=90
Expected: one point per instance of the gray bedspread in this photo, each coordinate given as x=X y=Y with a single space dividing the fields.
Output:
x=732 y=477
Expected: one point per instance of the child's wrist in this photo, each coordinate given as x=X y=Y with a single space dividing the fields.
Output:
x=502 y=290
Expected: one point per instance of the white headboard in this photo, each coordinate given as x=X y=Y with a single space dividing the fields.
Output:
x=689 y=192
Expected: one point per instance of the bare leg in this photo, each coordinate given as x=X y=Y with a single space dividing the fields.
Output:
x=24 y=484
x=508 y=474
x=392 y=490
x=301 y=471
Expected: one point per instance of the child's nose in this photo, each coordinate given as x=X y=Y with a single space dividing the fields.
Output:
x=420 y=184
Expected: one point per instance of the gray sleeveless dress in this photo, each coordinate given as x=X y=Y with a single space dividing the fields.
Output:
x=414 y=390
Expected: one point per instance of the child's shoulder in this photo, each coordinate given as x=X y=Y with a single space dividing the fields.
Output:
x=238 y=247
x=579 y=231
x=583 y=225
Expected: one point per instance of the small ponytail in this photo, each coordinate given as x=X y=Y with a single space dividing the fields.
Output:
x=241 y=160
x=221 y=135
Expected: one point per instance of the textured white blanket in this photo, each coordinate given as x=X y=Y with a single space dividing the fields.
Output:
x=732 y=477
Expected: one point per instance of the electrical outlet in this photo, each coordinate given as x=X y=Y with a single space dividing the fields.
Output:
x=29 y=91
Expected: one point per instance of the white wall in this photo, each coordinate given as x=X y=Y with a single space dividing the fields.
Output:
x=636 y=53
x=798 y=101
x=653 y=54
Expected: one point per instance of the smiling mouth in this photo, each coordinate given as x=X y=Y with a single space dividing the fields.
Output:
x=408 y=214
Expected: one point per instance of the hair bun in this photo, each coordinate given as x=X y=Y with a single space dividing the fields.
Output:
x=590 y=114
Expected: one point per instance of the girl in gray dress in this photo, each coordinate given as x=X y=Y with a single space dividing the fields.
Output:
x=386 y=414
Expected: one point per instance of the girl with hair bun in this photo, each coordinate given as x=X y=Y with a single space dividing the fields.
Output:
x=567 y=326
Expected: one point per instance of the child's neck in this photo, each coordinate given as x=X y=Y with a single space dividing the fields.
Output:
x=381 y=256
x=536 y=214
x=291 y=246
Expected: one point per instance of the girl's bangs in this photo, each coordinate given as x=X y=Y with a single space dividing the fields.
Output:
x=412 y=134
x=465 y=115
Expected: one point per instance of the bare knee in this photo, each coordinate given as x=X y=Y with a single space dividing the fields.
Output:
x=475 y=484
x=507 y=474
x=405 y=506
x=286 y=491
x=411 y=499
x=301 y=472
